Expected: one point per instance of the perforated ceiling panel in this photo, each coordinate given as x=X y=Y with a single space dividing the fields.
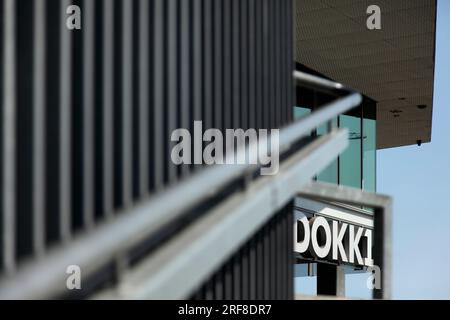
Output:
x=394 y=65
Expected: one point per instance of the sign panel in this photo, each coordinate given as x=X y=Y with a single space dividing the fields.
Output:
x=329 y=233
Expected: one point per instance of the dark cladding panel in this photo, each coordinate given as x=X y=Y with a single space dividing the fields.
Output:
x=158 y=97
x=254 y=262
x=87 y=115
x=8 y=114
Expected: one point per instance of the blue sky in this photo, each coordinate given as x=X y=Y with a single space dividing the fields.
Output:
x=418 y=178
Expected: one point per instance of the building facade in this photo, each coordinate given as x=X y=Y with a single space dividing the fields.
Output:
x=87 y=115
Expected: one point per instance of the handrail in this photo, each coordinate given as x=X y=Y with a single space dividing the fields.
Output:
x=91 y=251
x=317 y=81
x=306 y=78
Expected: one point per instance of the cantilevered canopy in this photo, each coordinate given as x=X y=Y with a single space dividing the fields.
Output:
x=394 y=65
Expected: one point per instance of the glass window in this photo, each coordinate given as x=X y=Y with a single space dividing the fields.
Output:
x=330 y=174
x=369 y=154
x=300 y=112
x=356 y=166
x=350 y=160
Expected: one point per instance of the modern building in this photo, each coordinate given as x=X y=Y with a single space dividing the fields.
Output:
x=88 y=185
x=393 y=67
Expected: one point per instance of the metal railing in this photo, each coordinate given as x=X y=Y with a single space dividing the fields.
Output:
x=202 y=246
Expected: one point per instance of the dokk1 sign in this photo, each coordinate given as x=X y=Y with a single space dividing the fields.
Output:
x=332 y=240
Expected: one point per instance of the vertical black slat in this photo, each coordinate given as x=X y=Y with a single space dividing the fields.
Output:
x=245 y=268
x=118 y=107
x=266 y=245
x=272 y=64
x=273 y=257
x=98 y=110
x=288 y=66
x=158 y=107
x=274 y=35
x=218 y=64
x=8 y=135
x=290 y=59
x=127 y=100
x=235 y=45
x=284 y=256
x=197 y=58
x=218 y=281
x=260 y=266
x=281 y=61
x=77 y=127
x=39 y=100
x=144 y=94
x=185 y=67
x=237 y=276
x=139 y=120
x=276 y=257
x=290 y=250
x=283 y=68
x=251 y=56
x=24 y=128
x=282 y=246
x=286 y=253
x=208 y=290
x=228 y=280
x=108 y=108
x=2 y=72
x=53 y=111
x=65 y=104
x=286 y=46
x=244 y=65
x=279 y=249
x=278 y=63
x=266 y=63
x=226 y=67
x=258 y=51
x=136 y=104
x=150 y=87
x=172 y=85
x=88 y=111
x=252 y=269
x=208 y=45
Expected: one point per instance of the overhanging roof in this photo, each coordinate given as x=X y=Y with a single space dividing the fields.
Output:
x=394 y=65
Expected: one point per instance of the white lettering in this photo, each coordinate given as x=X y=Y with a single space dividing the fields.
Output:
x=332 y=240
x=320 y=225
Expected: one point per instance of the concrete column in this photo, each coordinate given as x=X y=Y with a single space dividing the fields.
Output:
x=330 y=280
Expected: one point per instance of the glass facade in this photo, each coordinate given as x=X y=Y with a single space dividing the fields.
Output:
x=350 y=171
x=369 y=154
x=356 y=166
x=330 y=174
x=300 y=112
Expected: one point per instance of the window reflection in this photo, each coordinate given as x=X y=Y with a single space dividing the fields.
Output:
x=350 y=163
x=300 y=112
x=330 y=174
x=369 y=154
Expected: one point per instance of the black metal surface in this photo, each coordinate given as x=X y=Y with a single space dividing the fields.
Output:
x=276 y=281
